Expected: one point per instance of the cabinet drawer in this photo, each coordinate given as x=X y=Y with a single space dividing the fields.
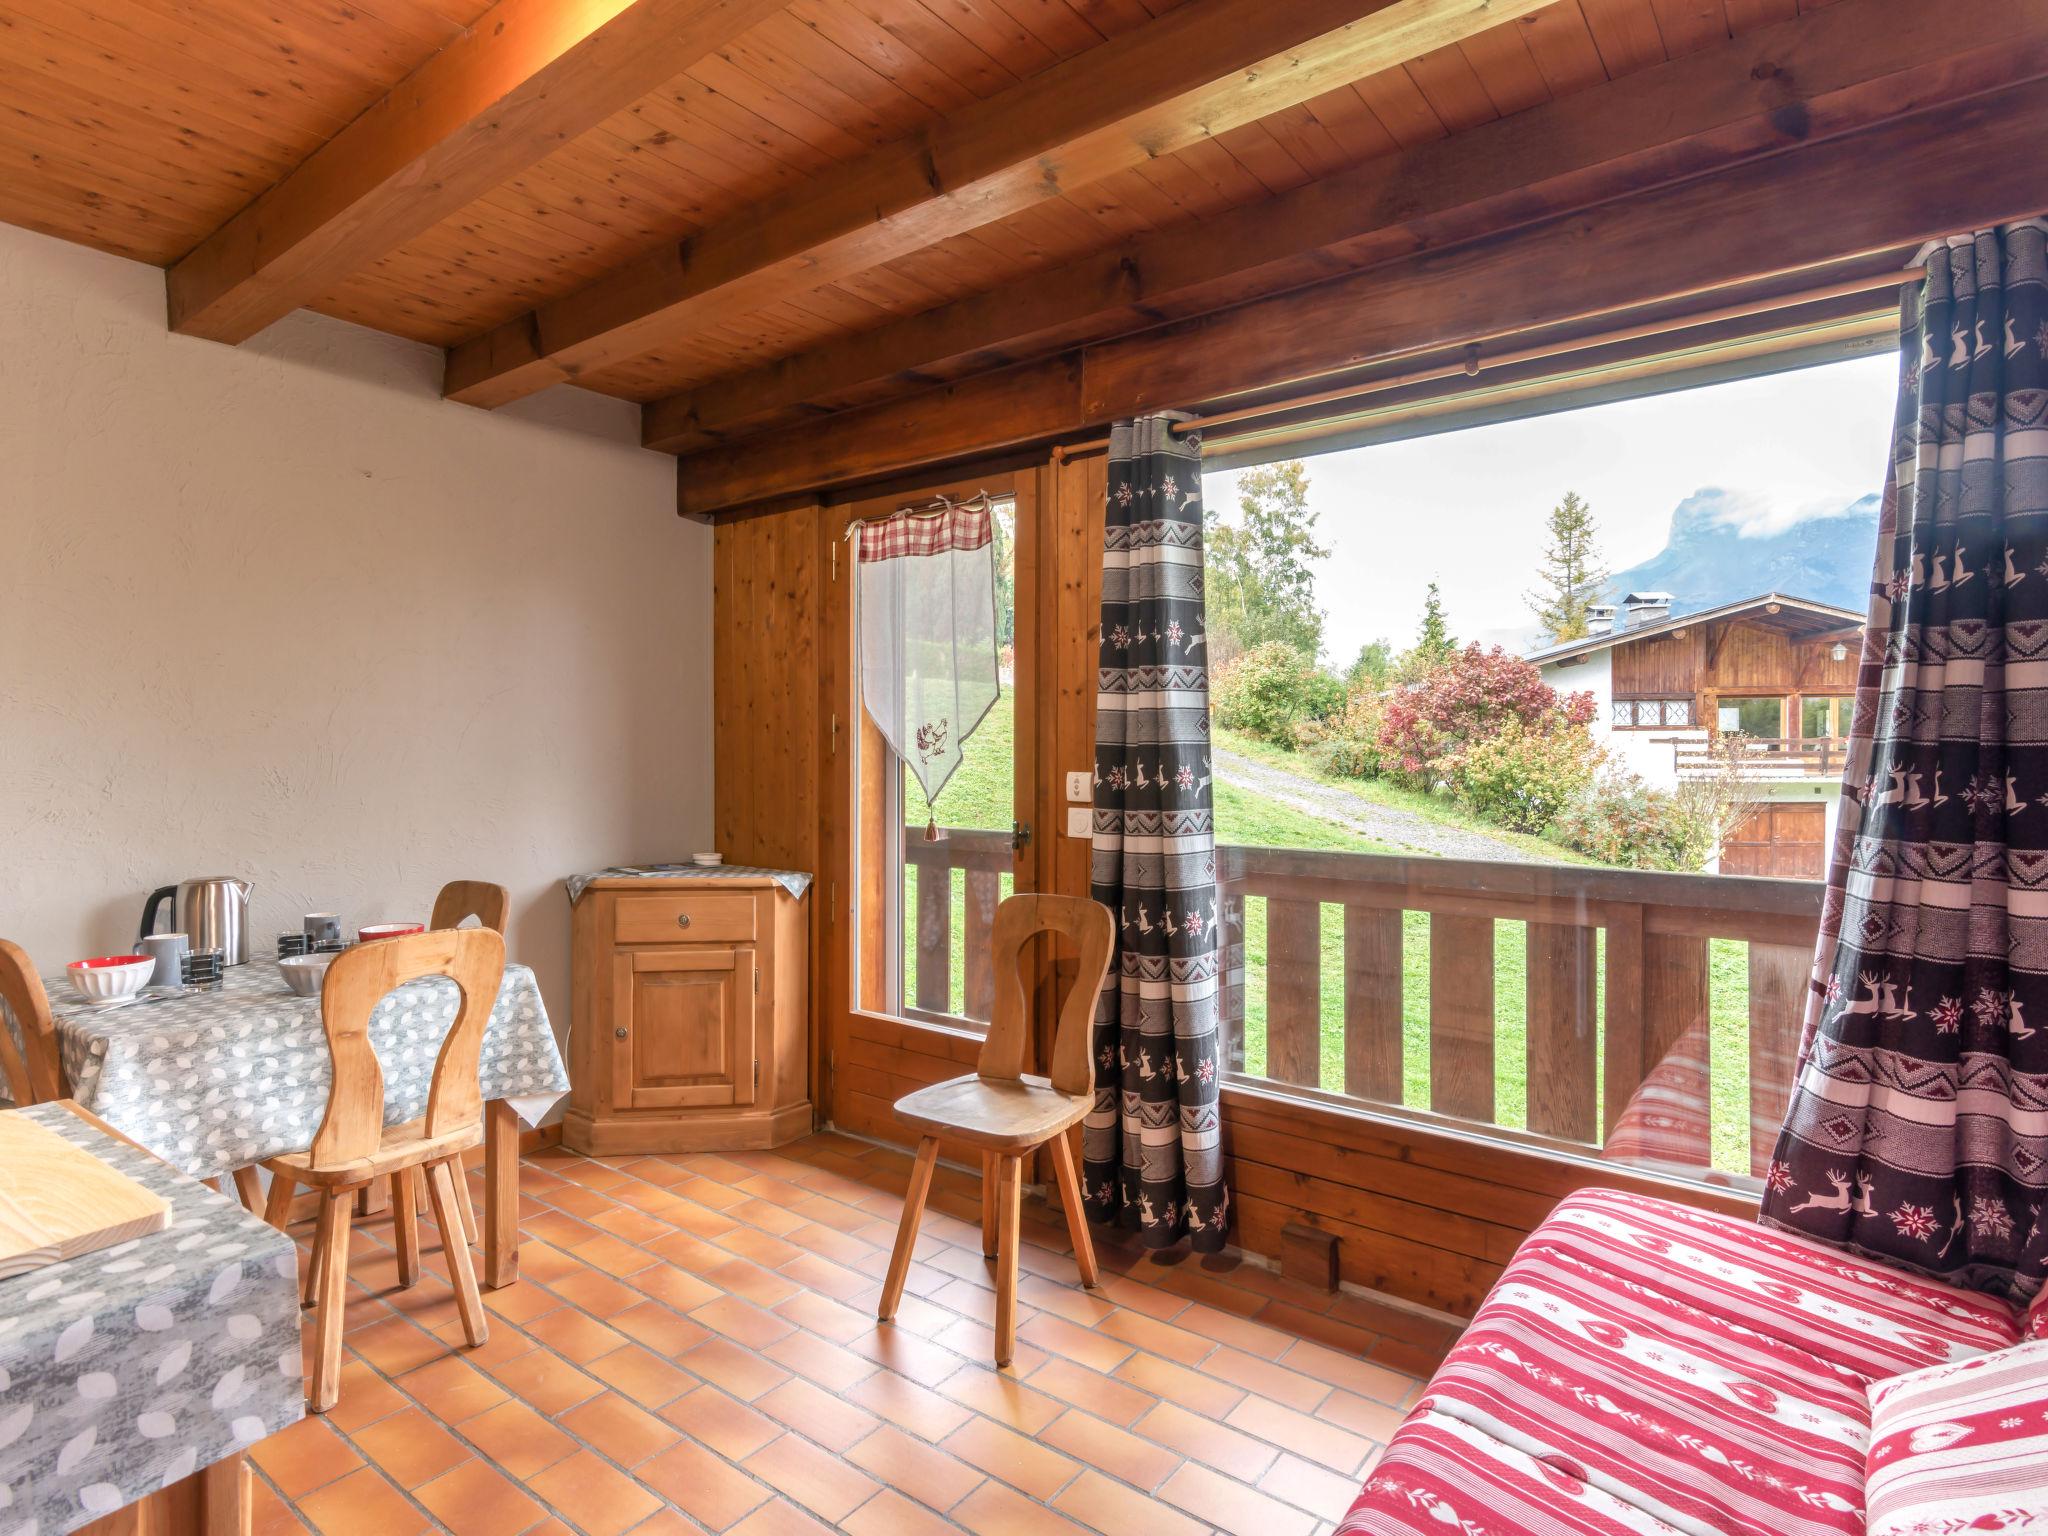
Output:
x=715 y=917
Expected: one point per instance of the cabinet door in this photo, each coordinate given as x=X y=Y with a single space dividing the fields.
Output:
x=683 y=1027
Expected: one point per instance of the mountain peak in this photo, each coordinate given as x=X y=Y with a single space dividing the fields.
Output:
x=1728 y=545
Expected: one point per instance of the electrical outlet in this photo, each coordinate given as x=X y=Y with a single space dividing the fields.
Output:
x=1080 y=786
x=1080 y=821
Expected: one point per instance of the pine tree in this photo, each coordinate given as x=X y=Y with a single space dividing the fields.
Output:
x=1434 y=644
x=1571 y=572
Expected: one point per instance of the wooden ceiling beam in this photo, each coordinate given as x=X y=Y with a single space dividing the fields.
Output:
x=1829 y=72
x=1956 y=167
x=1200 y=69
x=526 y=78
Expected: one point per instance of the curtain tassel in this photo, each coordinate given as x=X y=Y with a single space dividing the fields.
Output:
x=931 y=829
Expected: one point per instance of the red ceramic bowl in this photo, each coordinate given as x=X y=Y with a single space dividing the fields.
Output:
x=377 y=931
x=109 y=976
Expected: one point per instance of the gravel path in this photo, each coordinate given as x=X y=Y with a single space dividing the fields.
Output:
x=1404 y=830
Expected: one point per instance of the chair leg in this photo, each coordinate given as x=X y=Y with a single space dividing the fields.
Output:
x=405 y=1227
x=463 y=1204
x=249 y=1188
x=316 y=1263
x=336 y=1209
x=989 y=1171
x=1009 y=1200
x=277 y=1209
x=1077 y=1218
x=468 y=1302
x=906 y=1229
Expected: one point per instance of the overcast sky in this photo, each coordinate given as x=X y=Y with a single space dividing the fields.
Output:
x=1466 y=509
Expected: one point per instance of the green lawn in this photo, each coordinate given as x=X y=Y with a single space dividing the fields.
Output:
x=979 y=795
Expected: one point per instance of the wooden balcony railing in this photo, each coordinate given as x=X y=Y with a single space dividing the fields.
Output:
x=1763 y=758
x=928 y=972
x=1531 y=1000
x=1376 y=978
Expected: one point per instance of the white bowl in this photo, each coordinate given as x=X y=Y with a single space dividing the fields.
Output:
x=707 y=859
x=304 y=973
x=110 y=976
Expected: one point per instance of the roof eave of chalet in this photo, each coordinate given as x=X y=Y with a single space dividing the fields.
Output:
x=1591 y=643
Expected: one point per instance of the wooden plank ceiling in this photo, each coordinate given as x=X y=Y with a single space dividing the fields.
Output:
x=660 y=198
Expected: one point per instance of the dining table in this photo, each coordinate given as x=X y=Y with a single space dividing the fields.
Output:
x=134 y=1378
x=214 y=1080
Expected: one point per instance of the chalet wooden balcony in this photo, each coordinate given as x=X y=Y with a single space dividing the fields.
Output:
x=1647 y=1018
x=1764 y=759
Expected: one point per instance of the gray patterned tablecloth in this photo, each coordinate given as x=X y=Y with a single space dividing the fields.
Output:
x=129 y=1369
x=214 y=1081
x=793 y=881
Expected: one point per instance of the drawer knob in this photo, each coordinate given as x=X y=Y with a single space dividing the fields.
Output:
x=619 y=1033
x=682 y=919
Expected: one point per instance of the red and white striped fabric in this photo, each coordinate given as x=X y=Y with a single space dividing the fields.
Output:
x=1638 y=1395
x=1874 y=1321
x=2037 y=1318
x=1962 y=1447
x=1644 y=1368
x=1444 y=1478
x=1665 y=1120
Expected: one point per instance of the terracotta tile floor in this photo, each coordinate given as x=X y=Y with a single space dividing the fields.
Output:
x=692 y=1346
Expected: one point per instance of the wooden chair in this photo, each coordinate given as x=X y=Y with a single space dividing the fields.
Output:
x=30 y=1070
x=353 y=1145
x=1008 y=1114
x=490 y=904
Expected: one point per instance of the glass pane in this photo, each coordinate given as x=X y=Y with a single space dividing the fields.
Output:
x=1813 y=717
x=1678 y=712
x=1763 y=718
x=953 y=881
x=1624 y=712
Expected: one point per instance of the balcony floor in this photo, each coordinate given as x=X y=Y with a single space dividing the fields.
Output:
x=692 y=1345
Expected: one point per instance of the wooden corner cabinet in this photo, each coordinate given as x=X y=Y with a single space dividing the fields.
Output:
x=691 y=1016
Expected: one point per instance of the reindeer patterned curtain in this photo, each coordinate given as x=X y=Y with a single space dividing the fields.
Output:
x=1918 y=1128
x=1153 y=1143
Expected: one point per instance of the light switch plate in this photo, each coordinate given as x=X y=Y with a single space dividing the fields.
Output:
x=1080 y=786
x=1080 y=821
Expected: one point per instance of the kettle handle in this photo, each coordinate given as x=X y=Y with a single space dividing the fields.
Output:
x=157 y=898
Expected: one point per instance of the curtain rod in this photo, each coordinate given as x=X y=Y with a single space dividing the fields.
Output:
x=1473 y=364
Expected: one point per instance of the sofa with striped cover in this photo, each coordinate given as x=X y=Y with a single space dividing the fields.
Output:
x=1646 y=1369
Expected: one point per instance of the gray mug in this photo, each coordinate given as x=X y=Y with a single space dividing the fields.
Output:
x=168 y=951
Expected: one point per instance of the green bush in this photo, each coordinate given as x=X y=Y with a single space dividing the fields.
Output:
x=1271 y=690
x=1618 y=819
x=1347 y=743
x=1520 y=778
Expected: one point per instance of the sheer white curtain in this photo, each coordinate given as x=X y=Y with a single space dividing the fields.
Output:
x=925 y=597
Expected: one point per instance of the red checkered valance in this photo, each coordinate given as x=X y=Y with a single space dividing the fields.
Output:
x=901 y=534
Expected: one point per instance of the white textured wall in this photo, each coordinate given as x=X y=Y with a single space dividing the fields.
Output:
x=279 y=611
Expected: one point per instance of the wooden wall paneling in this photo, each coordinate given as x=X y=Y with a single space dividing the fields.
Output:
x=1461 y=1020
x=1294 y=994
x=1373 y=981
x=1778 y=980
x=1563 y=1031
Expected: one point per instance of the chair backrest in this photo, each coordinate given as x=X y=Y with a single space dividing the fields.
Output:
x=29 y=1068
x=491 y=904
x=359 y=979
x=1019 y=920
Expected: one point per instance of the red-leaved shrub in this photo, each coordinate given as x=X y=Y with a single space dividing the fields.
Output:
x=1466 y=700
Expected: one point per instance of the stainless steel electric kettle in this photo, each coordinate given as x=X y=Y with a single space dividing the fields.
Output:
x=212 y=913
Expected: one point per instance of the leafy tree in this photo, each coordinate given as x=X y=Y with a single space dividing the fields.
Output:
x=1373 y=669
x=1571 y=573
x=1261 y=568
x=1433 y=646
x=1004 y=520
